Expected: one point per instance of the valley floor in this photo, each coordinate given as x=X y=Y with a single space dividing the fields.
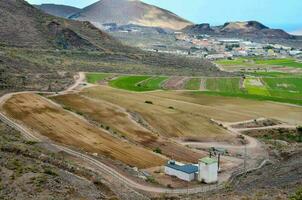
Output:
x=125 y=130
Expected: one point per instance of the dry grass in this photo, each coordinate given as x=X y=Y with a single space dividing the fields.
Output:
x=65 y=128
x=121 y=123
x=170 y=118
x=232 y=109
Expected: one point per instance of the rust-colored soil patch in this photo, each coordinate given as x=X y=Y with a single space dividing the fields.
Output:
x=175 y=83
x=66 y=128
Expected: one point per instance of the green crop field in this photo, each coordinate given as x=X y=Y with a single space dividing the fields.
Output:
x=237 y=61
x=273 y=74
x=131 y=83
x=284 y=62
x=254 y=86
x=96 y=77
x=193 y=84
x=285 y=87
x=229 y=85
x=153 y=83
x=288 y=62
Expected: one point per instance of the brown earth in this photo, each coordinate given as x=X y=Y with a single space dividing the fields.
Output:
x=65 y=128
x=175 y=83
x=125 y=12
x=258 y=123
x=169 y=118
x=230 y=109
x=30 y=170
x=120 y=123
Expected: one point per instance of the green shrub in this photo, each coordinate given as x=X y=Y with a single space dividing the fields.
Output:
x=49 y=171
x=297 y=195
x=157 y=150
x=148 y=102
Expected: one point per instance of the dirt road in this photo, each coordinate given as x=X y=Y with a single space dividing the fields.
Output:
x=101 y=167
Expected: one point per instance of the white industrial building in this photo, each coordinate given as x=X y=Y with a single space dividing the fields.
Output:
x=206 y=170
x=181 y=171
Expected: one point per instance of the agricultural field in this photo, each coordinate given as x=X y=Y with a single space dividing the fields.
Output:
x=193 y=84
x=153 y=83
x=284 y=62
x=132 y=83
x=65 y=128
x=255 y=86
x=96 y=77
x=124 y=124
x=255 y=65
x=272 y=86
x=285 y=87
x=230 y=85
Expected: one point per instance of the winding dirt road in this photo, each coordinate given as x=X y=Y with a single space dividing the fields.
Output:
x=101 y=167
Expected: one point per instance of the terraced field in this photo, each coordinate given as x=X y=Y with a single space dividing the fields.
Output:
x=229 y=85
x=285 y=87
x=286 y=62
x=153 y=83
x=193 y=84
x=254 y=86
x=125 y=124
x=96 y=77
x=273 y=86
x=132 y=83
x=63 y=127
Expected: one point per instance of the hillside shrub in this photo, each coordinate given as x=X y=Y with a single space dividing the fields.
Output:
x=148 y=102
x=158 y=150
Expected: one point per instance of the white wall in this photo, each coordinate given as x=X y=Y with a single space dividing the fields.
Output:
x=179 y=174
x=208 y=173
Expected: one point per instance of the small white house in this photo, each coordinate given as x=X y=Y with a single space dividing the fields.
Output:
x=183 y=172
x=208 y=170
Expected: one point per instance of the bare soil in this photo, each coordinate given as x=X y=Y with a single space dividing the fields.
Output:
x=65 y=128
x=120 y=124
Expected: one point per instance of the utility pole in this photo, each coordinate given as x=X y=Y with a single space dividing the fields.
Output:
x=245 y=158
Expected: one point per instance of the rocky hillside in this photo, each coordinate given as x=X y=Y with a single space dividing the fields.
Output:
x=248 y=29
x=22 y=25
x=58 y=10
x=29 y=171
x=123 y=12
x=42 y=52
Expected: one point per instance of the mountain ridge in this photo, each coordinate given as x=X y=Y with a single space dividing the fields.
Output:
x=244 y=29
x=123 y=12
x=58 y=10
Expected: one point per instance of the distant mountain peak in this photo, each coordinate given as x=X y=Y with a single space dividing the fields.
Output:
x=123 y=12
x=242 y=29
x=246 y=26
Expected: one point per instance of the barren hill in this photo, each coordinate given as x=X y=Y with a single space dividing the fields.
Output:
x=248 y=29
x=22 y=25
x=123 y=12
x=58 y=10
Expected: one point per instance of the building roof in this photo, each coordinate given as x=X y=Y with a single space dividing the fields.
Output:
x=188 y=169
x=208 y=160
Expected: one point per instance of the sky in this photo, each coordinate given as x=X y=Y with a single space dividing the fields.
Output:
x=285 y=14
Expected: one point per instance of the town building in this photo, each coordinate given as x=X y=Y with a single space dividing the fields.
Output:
x=186 y=172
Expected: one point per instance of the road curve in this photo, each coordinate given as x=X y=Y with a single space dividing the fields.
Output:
x=99 y=165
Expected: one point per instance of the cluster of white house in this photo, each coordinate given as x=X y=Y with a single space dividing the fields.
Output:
x=205 y=171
